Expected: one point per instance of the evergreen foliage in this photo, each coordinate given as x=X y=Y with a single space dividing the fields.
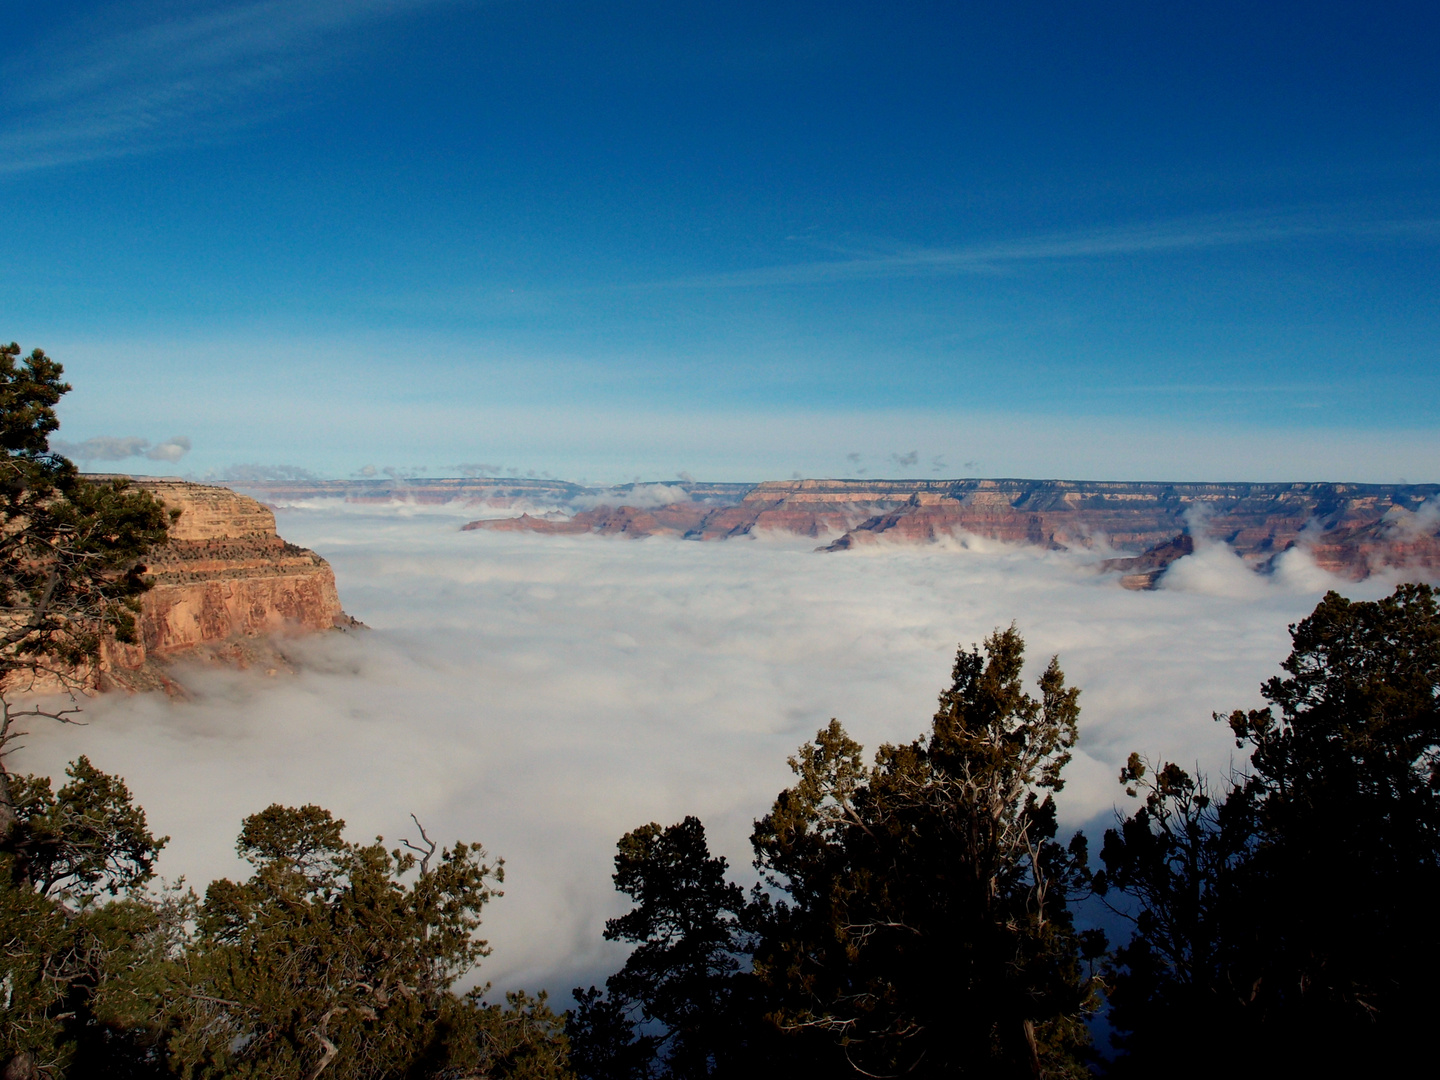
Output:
x=604 y=1042
x=923 y=918
x=679 y=985
x=328 y=958
x=1179 y=859
x=85 y=950
x=70 y=548
x=1286 y=913
x=912 y=919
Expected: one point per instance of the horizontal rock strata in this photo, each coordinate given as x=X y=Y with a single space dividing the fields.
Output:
x=225 y=583
x=1349 y=529
x=497 y=492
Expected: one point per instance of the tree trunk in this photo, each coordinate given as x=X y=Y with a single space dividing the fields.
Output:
x=8 y=818
x=1032 y=1052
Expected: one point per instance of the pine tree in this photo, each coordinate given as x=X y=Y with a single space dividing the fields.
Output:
x=673 y=1006
x=1285 y=912
x=923 y=920
x=71 y=551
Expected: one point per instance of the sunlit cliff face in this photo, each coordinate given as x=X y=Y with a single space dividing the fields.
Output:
x=544 y=694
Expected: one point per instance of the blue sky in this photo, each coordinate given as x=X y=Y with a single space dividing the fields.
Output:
x=733 y=240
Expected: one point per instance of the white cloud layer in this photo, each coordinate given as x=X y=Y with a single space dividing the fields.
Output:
x=546 y=695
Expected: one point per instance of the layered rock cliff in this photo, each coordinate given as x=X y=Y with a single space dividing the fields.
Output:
x=1349 y=529
x=225 y=582
x=496 y=492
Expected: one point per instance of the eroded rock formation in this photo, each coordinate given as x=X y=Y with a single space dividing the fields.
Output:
x=1143 y=571
x=1137 y=530
x=225 y=583
x=1349 y=529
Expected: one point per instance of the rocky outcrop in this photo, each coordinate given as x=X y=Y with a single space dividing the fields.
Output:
x=225 y=585
x=1349 y=529
x=1144 y=571
x=675 y=519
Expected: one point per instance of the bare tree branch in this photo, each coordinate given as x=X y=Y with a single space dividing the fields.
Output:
x=426 y=851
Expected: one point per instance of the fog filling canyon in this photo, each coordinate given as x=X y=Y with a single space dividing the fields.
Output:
x=544 y=695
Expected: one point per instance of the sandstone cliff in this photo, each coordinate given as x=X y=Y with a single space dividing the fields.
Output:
x=1350 y=529
x=224 y=583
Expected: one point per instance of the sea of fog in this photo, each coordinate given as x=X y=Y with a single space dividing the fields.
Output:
x=544 y=695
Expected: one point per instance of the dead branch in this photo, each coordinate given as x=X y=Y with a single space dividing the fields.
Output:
x=427 y=851
x=331 y=1050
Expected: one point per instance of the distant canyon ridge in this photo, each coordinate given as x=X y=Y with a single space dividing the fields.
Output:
x=229 y=589
x=1137 y=530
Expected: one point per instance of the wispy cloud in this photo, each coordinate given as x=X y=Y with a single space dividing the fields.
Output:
x=118 y=448
x=991 y=257
x=151 y=75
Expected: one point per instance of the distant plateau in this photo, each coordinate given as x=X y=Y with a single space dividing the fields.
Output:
x=1143 y=528
x=229 y=590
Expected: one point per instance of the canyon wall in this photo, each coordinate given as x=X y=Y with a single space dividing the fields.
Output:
x=1349 y=529
x=225 y=582
x=497 y=492
x=1136 y=530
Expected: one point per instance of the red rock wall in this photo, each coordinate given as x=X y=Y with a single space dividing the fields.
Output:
x=223 y=581
x=1351 y=529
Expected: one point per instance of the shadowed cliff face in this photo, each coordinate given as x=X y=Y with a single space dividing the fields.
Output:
x=1350 y=529
x=224 y=583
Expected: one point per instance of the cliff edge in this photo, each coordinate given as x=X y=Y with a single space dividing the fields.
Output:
x=225 y=583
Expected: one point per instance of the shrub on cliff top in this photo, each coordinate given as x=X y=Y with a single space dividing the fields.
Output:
x=70 y=548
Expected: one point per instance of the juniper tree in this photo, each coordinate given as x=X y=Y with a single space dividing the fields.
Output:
x=332 y=956
x=86 y=953
x=673 y=1007
x=1286 y=910
x=922 y=920
x=71 y=551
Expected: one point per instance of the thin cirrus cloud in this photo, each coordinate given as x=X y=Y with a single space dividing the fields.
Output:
x=838 y=264
x=149 y=78
x=1157 y=238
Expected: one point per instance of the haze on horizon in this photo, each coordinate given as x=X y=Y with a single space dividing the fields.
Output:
x=740 y=241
